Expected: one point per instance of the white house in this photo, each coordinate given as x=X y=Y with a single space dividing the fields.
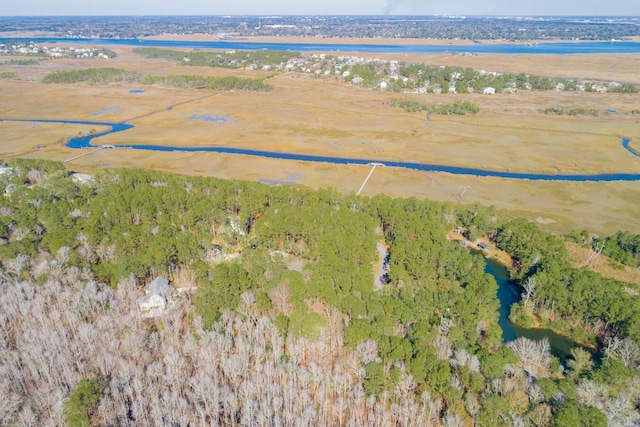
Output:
x=8 y=171
x=81 y=178
x=158 y=293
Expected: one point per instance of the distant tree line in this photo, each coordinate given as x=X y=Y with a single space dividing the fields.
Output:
x=624 y=88
x=458 y=107
x=390 y=26
x=23 y=62
x=229 y=59
x=576 y=111
x=115 y=75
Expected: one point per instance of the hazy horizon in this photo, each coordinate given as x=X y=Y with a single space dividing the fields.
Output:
x=280 y=15
x=591 y=8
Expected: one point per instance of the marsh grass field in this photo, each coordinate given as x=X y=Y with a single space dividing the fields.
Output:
x=324 y=116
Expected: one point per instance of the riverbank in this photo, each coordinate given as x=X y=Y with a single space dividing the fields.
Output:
x=85 y=141
x=440 y=47
x=498 y=264
x=509 y=296
x=546 y=322
x=395 y=41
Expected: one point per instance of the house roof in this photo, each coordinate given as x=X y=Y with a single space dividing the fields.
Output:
x=159 y=286
x=81 y=177
x=8 y=171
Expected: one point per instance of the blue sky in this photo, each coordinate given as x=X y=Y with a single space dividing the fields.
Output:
x=322 y=7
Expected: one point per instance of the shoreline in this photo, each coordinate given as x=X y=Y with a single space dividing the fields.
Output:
x=365 y=40
x=391 y=41
x=504 y=259
x=536 y=326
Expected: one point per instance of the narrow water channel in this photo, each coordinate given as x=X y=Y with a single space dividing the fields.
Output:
x=508 y=295
x=86 y=142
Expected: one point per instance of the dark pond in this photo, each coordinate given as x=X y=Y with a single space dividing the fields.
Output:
x=508 y=293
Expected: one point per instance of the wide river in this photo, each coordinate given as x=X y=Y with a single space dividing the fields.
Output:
x=563 y=48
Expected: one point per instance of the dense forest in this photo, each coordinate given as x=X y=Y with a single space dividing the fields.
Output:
x=277 y=318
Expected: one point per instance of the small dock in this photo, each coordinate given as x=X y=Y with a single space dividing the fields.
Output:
x=374 y=165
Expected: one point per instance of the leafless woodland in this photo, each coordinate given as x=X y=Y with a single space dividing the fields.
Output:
x=168 y=371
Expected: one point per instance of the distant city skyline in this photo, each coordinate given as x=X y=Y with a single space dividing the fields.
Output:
x=326 y=7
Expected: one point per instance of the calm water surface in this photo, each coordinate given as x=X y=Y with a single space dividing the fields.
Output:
x=508 y=294
x=563 y=48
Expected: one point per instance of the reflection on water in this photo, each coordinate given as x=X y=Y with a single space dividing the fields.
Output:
x=508 y=294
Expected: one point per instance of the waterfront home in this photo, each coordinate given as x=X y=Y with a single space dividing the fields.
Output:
x=483 y=246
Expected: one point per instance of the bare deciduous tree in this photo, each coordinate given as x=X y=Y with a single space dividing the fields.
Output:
x=280 y=297
x=534 y=356
x=529 y=288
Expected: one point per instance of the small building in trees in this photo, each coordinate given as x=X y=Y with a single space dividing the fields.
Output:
x=81 y=178
x=483 y=246
x=157 y=296
x=7 y=171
